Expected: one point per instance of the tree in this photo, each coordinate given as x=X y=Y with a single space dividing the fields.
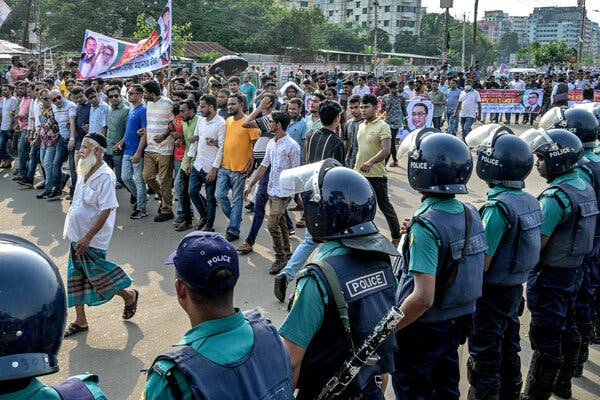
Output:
x=552 y=52
x=383 y=40
x=509 y=42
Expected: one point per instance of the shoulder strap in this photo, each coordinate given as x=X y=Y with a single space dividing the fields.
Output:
x=338 y=297
x=73 y=389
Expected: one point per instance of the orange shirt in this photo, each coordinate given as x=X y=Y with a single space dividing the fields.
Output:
x=237 y=149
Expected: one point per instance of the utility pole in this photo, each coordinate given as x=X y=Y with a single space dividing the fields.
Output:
x=25 y=40
x=38 y=32
x=447 y=4
x=581 y=5
x=474 y=43
x=376 y=5
x=462 y=57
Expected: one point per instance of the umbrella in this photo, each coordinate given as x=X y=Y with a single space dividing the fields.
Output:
x=231 y=65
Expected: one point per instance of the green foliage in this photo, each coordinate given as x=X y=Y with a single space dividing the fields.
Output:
x=208 y=57
x=383 y=40
x=509 y=42
x=394 y=61
x=554 y=52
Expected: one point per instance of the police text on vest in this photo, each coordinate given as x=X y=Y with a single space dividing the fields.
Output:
x=366 y=283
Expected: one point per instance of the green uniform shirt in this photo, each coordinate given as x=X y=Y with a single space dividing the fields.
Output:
x=306 y=316
x=552 y=210
x=494 y=219
x=369 y=137
x=115 y=125
x=584 y=172
x=424 y=243
x=38 y=391
x=188 y=131
x=222 y=341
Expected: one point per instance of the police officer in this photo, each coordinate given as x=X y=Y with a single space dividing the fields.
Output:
x=569 y=210
x=441 y=270
x=33 y=312
x=227 y=354
x=512 y=220
x=347 y=289
x=585 y=126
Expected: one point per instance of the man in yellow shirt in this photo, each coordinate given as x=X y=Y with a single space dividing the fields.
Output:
x=374 y=143
x=236 y=165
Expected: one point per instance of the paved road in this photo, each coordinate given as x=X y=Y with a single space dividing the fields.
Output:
x=117 y=350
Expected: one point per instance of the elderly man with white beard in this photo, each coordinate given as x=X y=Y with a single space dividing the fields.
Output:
x=91 y=279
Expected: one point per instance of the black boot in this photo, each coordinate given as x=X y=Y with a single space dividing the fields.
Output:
x=542 y=375
x=585 y=331
x=510 y=389
x=596 y=333
x=477 y=372
x=562 y=388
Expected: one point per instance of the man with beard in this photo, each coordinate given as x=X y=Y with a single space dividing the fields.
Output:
x=91 y=279
x=222 y=97
x=204 y=158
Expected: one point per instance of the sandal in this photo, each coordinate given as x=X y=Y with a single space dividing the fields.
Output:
x=74 y=329
x=129 y=310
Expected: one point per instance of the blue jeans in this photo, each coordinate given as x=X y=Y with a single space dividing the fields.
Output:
x=299 y=257
x=115 y=161
x=230 y=180
x=132 y=178
x=5 y=137
x=34 y=158
x=47 y=154
x=466 y=123
x=206 y=206
x=452 y=123
x=60 y=155
x=23 y=152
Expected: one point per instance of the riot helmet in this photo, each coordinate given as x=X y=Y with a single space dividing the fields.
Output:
x=439 y=163
x=32 y=310
x=579 y=121
x=504 y=159
x=561 y=150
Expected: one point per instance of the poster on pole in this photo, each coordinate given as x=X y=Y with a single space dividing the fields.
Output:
x=105 y=57
x=4 y=11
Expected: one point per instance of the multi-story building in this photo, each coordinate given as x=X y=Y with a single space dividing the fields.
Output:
x=494 y=24
x=298 y=3
x=563 y=23
x=393 y=16
x=520 y=26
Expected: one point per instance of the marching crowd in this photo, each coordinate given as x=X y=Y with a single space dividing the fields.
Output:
x=459 y=272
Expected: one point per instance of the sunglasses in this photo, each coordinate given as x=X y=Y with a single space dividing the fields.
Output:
x=45 y=98
x=114 y=96
x=55 y=99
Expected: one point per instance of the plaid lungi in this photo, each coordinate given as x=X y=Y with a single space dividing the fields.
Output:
x=93 y=280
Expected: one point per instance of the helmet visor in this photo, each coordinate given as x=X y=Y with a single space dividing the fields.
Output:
x=550 y=120
x=300 y=179
x=481 y=135
x=530 y=136
x=543 y=143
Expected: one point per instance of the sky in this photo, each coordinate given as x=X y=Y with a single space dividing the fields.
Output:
x=512 y=7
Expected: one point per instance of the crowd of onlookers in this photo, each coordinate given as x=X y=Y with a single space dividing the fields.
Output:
x=171 y=136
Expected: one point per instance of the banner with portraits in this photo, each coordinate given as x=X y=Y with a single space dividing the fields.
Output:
x=576 y=96
x=105 y=57
x=511 y=101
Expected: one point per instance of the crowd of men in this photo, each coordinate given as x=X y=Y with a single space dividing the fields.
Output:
x=460 y=275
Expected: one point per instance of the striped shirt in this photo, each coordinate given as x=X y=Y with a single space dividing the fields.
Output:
x=158 y=116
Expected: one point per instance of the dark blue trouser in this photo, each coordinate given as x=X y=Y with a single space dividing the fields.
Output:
x=60 y=155
x=34 y=160
x=23 y=152
x=261 y=199
x=206 y=206
x=427 y=360
x=494 y=341
x=584 y=304
x=551 y=296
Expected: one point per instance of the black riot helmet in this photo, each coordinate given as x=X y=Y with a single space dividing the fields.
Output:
x=561 y=150
x=345 y=204
x=576 y=120
x=504 y=159
x=33 y=310
x=439 y=163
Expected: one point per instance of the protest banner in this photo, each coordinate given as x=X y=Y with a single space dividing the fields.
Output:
x=511 y=101
x=105 y=57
